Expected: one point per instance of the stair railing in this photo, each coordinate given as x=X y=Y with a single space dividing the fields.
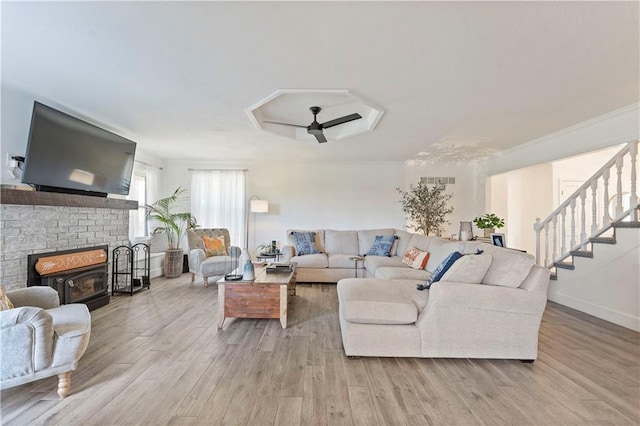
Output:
x=552 y=236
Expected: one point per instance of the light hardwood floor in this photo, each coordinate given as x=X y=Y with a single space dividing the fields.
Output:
x=157 y=358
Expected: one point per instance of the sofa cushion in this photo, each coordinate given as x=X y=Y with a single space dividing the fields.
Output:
x=469 y=269
x=420 y=241
x=216 y=265
x=374 y=301
x=446 y=264
x=318 y=260
x=508 y=267
x=381 y=246
x=305 y=243
x=372 y=263
x=415 y=258
x=439 y=249
x=401 y=273
x=367 y=237
x=341 y=242
x=401 y=244
x=341 y=260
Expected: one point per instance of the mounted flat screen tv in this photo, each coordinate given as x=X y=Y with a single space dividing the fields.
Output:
x=66 y=154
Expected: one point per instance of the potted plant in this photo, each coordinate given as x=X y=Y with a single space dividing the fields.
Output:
x=174 y=225
x=426 y=207
x=489 y=222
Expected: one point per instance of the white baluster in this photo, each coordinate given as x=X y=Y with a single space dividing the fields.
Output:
x=619 y=164
x=555 y=238
x=583 y=219
x=633 y=152
x=594 y=206
x=572 y=240
x=537 y=228
x=546 y=244
x=563 y=247
x=605 y=187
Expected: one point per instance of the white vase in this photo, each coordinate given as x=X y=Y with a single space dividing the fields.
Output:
x=248 y=273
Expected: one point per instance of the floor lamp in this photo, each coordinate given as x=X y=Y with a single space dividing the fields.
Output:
x=254 y=205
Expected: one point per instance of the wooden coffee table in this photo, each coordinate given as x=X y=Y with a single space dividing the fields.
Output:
x=265 y=297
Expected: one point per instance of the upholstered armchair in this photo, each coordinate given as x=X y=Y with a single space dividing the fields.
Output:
x=41 y=339
x=211 y=261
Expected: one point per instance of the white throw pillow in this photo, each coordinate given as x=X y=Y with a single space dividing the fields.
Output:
x=415 y=258
x=470 y=268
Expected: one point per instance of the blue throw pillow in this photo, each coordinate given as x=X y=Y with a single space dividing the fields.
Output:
x=305 y=242
x=381 y=246
x=441 y=270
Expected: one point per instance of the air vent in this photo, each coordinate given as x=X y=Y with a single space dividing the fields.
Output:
x=432 y=180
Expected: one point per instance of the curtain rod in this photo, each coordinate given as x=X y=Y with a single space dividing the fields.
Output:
x=218 y=170
x=147 y=164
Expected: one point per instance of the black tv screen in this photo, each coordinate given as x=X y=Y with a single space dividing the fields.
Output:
x=66 y=154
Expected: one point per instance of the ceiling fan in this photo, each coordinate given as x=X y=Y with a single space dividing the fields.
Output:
x=316 y=128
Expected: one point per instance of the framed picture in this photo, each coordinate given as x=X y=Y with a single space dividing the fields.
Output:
x=498 y=240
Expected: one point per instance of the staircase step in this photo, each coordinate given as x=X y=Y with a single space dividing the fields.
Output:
x=603 y=240
x=564 y=265
x=626 y=225
x=582 y=253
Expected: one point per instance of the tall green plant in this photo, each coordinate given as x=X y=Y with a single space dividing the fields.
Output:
x=173 y=225
x=426 y=207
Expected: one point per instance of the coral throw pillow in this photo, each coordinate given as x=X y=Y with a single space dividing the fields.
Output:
x=5 y=303
x=416 y=258
x=214 y=246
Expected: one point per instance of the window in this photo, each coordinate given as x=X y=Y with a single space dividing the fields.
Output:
x=217 y=200
x=144 y=188
x=139 y=217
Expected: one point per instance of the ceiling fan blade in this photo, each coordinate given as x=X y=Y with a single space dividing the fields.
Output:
x=320 y=137
x=284 y=124
x=341 y=120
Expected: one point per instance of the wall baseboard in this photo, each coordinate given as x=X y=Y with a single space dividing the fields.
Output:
x=607 y=314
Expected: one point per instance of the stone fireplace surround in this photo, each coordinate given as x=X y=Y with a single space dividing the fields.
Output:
x=38 y=222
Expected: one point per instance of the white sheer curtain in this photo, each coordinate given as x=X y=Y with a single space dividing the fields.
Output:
x=217 y=201
x=144 y=188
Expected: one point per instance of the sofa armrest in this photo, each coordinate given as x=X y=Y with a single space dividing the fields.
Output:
x=196 y=257
x=484 y=297
x=287 y=253
x=27 y=341
x=40 y=296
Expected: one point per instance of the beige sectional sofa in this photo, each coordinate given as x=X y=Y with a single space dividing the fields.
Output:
x=487 y=306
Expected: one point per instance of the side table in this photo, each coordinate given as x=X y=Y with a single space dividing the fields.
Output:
x=264 y=256
x=356 y=259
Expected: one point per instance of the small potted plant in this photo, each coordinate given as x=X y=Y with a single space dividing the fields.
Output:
x=489 y=222
x=174 y=225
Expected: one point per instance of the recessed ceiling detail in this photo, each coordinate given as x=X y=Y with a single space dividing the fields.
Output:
x=292 y=106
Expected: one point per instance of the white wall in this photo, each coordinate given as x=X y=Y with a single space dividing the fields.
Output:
x=16 y=120
x=311 y=196
x=468 y=194
x=606 y=286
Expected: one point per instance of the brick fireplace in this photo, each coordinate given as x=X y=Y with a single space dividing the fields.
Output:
x=36 y=222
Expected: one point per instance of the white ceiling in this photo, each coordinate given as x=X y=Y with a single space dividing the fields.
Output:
x=177 y=77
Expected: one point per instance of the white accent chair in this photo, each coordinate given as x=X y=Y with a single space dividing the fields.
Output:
x=41 y=338
x=213 y=266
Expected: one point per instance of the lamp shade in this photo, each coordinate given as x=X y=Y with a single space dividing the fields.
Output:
x=259 y=206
